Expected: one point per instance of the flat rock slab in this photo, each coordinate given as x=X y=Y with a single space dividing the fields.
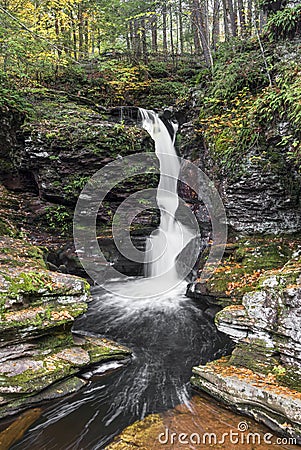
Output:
x=17 y=367
x=37 y=321
x=29 y=375
x=74 y=355
x=25 y=280
x=38 y=351
x=255 y=395
x=57 y=390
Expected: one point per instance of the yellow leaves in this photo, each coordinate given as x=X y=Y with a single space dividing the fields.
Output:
x=61 y=315
x=227 y=268
x=286 y=425
x=244 y=280
x=229 y=123
x=264 y=382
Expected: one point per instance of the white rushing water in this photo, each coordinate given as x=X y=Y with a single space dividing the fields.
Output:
x=165 y=243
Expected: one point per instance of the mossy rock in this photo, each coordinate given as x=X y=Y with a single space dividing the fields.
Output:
x=31 y=374
x=38 y=321
x=245 y=264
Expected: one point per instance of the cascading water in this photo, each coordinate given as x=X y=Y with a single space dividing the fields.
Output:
x=165 y=243
x=167 y=336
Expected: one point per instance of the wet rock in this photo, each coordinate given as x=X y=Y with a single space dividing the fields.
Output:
x=260 y=189
x=26 y=375
x=15 y=404
x=10 y=139
x=74 y=355
x=203 y=424
x=261 y=377
x=61 y=155
x=16 y=430
x=245 y=261
x=262 y=200
x=254 y=395
x=37 y=311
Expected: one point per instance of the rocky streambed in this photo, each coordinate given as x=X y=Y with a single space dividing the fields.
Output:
x=257 y=287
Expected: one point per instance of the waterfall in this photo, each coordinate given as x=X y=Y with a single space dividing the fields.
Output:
x=165 y=243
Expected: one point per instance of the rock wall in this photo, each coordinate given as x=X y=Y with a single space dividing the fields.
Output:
x=52 y=156
x=257 y=283
x=262 y=196
x=10 y=139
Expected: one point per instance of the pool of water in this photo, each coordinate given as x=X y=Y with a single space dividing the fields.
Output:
x=168 y=335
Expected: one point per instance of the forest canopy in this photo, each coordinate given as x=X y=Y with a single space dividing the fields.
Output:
x=40 y=37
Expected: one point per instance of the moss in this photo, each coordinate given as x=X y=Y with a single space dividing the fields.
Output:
x=244 y=266
x=56 y=390
x=253 y=357
x=16 y=251
x=40 y=318
x=31 y=381
x=6 y=229
x=55 y=340
x=102 y=349
x=290 y=377
x=28 y=283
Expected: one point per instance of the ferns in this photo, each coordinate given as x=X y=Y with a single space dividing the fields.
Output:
x=285 y=23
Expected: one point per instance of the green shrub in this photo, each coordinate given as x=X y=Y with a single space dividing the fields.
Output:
x=59 y=218
x=285 y=23
x=238 y=65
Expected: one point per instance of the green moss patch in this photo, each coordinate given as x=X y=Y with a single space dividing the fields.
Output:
x=245 y=264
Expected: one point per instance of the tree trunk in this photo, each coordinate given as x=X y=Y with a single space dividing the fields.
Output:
x=131 y=35
x=215 y=24
x=144 y=42
x=202 y=27
x=249 y=16
x=172 y=47
x=73 y=27
x=164 y=14
x=181 y=34
x=154 y=29
x=80 y=31
x=86 y=37
x=232 y=18
x=137 y=40
x=196 y=37
x=229 y=18
x=128 y=38
x=262 y=20
x=242 y=17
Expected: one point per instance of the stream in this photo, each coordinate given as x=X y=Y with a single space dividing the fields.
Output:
x=168 y=336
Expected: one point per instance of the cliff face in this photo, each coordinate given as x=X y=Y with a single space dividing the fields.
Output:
x=10 y=139
x=40 y=356
x=259 y=281
x=63 y=143
x=262 y=376
x=51 y=157
x=262 y=195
